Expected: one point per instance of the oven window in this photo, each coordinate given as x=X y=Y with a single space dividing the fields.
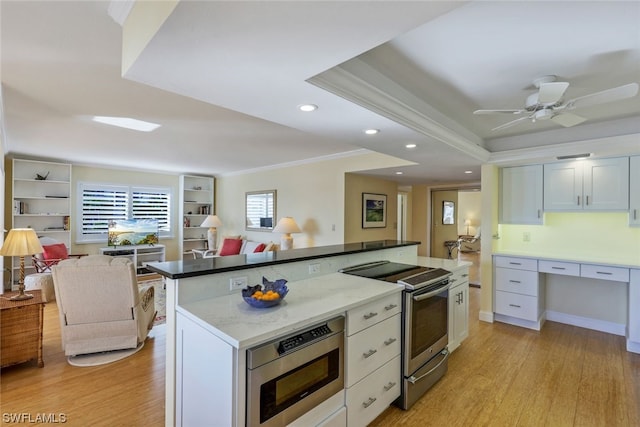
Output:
x=293 y=386
x=428 y=322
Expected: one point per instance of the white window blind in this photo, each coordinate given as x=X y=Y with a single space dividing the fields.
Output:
x=100 y=203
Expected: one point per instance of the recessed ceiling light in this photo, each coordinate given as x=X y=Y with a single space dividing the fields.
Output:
x=127 y=123
x=308 y=107
x=468 y=171
x=411 y=145
x=371 y=131
x=399 y=173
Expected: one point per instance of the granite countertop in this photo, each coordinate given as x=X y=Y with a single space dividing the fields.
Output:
x=309 y=301
x=198 y=267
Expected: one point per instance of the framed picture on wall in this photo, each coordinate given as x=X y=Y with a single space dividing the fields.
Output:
x=374 y=210
x=448 y=213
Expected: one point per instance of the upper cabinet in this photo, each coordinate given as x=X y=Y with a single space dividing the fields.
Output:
x=600 y=184
x=196 y=202
x=521 y=195
x=634 y=190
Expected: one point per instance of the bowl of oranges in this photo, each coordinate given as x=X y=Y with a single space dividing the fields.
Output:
x=266 y=295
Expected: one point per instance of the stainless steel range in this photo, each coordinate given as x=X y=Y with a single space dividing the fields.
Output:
x=424 y=322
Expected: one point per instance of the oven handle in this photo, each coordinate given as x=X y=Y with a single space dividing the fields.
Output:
x=426 y=295
x=414 y=380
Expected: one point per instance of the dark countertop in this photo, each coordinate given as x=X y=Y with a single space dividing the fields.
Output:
x=200 y=267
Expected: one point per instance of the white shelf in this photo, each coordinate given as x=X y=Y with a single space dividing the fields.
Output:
x=191 y=200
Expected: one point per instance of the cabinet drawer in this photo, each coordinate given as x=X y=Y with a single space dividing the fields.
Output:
x=517 y=263
x=371 y=396
x=368 y=350
x=518 y=281
x=557 y=267
x=594 y=271
x=372 y=313
x=459 y=276
x=515 y=305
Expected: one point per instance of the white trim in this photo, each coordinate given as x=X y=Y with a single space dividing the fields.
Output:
x=486 y=316
x=588 y=323
x=633 y=347
x=536 y=326
x=119 y=10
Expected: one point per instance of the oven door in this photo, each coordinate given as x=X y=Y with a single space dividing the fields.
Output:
x=426 y=325
x=288 y=387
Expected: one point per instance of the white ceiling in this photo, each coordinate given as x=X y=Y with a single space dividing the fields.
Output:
x=224 y=79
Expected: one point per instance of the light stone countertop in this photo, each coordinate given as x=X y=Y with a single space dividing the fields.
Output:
x=308 y=302
x=448 y=264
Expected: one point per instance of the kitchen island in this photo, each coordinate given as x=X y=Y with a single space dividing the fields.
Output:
x=210 y=327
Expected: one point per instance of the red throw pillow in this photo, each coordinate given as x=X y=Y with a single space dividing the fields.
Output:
x=260 y=248
x=230 y=247
x=56 y=251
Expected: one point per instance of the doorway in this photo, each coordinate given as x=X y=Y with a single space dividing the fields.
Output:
x=444 y=223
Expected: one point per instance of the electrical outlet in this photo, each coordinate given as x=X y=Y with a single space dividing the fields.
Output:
x=526 y=236
x=237 y=283
x=314 y=268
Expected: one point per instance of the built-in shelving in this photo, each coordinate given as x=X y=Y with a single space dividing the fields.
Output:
x=196 y=202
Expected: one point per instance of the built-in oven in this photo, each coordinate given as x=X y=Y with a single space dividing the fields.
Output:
x=425 y=325
x=289 y=376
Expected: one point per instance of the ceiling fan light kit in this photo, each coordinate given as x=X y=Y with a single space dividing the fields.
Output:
x=547 y=103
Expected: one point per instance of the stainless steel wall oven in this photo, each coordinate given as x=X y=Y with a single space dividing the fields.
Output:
x=289 y=376
x=424 y=325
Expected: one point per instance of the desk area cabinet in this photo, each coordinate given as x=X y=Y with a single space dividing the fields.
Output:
x=140 y=255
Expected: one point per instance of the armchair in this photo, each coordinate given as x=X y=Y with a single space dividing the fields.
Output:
x=100 y=305
x=469 y=244
x=53 y=252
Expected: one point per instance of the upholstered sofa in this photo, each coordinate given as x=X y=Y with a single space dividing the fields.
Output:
x=236 y=246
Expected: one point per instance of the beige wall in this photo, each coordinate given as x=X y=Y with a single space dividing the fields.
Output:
x=118 y=176
x=469 y=205
x=420 y=231
x=355 y=185
x=312 y=193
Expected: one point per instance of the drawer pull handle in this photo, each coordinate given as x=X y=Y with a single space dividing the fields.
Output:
x=515 y=263
x=453 y=280
x=369 y=402
x=514 y=305
x=390 y=307
x=515 y=281
x=370 y=315
x=369 y=353
x=558 y=268
x=465 y=275
x=389 y=386
x=390 y=341
x=608 y=273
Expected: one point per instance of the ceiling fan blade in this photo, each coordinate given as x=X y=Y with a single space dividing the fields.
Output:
x=567 y=119
x=550 y=93
x=511 y=123
x=499 y=111
x=614 y=94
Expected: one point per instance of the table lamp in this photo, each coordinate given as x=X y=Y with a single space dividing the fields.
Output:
x=21 y=242
x=286 y=225
x=212 y=221
x=467 y=222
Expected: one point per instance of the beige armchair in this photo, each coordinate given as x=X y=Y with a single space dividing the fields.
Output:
x=471 y=244
x=100 y=305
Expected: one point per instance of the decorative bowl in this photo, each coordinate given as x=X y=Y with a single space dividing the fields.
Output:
x=278 y=287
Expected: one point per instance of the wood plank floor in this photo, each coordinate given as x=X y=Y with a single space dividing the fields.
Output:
x=501 y=375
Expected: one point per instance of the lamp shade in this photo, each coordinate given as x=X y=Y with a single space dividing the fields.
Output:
x=286 y=225
x=211 y=221
x=467 y=222
x=21 y=242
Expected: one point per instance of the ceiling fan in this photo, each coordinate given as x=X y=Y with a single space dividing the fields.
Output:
x=547 y=103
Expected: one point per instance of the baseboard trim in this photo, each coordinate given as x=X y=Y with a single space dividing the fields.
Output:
x=486 y=316
x=536 y=326
x=588 y=323
x=633 y=347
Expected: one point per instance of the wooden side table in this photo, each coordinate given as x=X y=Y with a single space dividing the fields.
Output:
x=21 y=329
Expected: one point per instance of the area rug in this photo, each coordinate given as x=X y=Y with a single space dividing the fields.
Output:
x=159 y=297
x=95 y=359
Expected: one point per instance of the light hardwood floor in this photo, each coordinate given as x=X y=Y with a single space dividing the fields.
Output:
x=501 y=375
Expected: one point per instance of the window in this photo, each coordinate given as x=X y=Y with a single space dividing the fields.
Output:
x=100 y=203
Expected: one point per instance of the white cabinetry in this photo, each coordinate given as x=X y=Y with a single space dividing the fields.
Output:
x=458 y=308
x=600 y=184
x=521 y=195
x=633 y=337
x=519 y=292
x=196 y=202
x=140 y=255
x=41 y=204
x=634 y=190
x=373 y=369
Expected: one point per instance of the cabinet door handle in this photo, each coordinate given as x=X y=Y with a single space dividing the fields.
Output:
x=578 y=200
x=515 y=281
x=390 y=307
x=514 y=305
x=369 y=353
x=538 y=213
x=635 y=214
x=369 y=402
x=461 y=297
x=390 y=341
x=587 y=200
x=370 y=315
x=389 y=386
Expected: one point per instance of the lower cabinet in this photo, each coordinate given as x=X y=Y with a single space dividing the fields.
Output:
x=458 y=308
x=633 y=339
